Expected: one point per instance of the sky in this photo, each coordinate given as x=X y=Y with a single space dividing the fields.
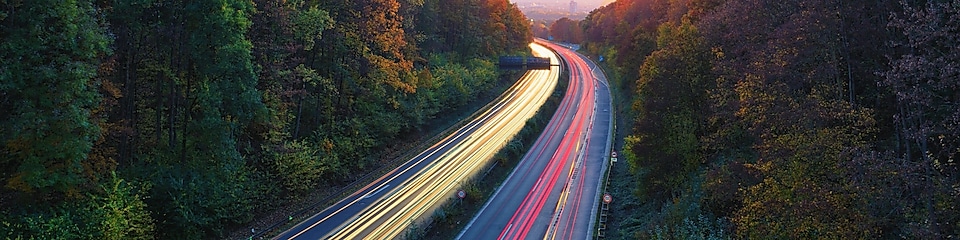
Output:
x=585 y=5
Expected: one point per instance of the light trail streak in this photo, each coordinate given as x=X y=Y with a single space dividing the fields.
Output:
x=569 y=153
x=396 y=209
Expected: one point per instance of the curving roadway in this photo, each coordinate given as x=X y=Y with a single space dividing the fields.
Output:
x=386 y=208
x=553 y=192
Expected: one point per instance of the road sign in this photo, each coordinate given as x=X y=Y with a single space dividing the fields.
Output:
x=607 y=198
x=613 y=156
x=461 y=194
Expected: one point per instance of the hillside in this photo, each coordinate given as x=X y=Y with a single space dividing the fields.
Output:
x=784 y=119
x=183 y=120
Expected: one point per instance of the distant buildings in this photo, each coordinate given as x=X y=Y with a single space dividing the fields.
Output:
x=573 y=6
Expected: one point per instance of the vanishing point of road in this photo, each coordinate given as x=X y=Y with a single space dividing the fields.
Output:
x=386 y=208
x=554 y=191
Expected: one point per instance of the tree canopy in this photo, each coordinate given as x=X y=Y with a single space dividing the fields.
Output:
x=787 y=119
x=167 y=119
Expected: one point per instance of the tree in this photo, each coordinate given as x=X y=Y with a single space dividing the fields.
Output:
x=924 y=81
x=519 y=33
x=671 y=91
x=566 y=30
x=381 y=29
x=208 y=186
x=540 y=29
x=201 y=106
x=798 y=138
x=122 y=212
x=48 y=60
x=475 y=27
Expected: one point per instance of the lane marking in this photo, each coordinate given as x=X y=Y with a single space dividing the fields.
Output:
x=375 y=192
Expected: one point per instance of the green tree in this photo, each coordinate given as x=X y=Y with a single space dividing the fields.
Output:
x=671 y=93
x=123 y=214
x=475 y=27
x=519 y=32
x=309 y=24
x=203 y=105
x=300 y=166
x=210 y=187
x=64 y=221
x=48 y=59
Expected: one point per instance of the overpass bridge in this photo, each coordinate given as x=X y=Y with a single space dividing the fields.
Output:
x=520 y=62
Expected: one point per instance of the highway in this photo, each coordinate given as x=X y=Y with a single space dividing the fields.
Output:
x=386 y=208
x=553 y=192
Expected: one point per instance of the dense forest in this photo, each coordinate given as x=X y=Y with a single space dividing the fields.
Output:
x=141 y=119
x=785 y=119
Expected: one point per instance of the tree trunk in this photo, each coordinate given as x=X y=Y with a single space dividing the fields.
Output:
x=128 y=103
x=930 y=188
x=296 y=128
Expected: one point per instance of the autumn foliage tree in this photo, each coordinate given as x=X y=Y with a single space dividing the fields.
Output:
x=671 y=90
x=923 y=77
x=817 y=119
x=566 y=30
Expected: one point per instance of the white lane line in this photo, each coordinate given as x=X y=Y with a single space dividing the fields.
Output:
x=375 y=192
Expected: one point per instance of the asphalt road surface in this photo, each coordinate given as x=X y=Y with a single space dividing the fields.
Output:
x=553 y=192
x=386 y=208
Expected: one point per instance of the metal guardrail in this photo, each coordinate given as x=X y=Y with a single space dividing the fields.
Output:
x=599 y=214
